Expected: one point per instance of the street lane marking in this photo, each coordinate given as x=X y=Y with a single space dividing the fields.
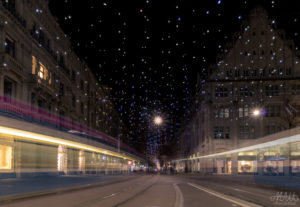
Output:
x=243 y=191
x=225 y=197
x=179 y=197
x=110 y=195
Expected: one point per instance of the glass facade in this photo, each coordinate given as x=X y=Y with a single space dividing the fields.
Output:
x=279 y=157
x=49 y=154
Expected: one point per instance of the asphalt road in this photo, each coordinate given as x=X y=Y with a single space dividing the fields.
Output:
x=163 y=191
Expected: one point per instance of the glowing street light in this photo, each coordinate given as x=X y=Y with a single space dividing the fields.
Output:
x=158 y=120
x=256 y=112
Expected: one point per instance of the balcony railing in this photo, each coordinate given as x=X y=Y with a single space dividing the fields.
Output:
x=43 y=43
x=12 y=63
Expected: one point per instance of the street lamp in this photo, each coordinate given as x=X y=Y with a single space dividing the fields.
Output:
x=158 y=120
x=256 y=112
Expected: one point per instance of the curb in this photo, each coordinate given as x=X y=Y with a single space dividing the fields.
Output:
x=15 y=197
x=245 y=182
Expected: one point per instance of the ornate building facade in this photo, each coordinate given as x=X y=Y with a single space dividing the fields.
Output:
x=251 y=92
x=55 y=117
x=39 y=68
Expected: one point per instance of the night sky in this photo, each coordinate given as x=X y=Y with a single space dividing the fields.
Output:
x=149 y=51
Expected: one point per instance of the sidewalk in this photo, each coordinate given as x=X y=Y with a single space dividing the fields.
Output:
x=28 y=187
x=275 y=182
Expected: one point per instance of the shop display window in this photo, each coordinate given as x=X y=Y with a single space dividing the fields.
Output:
x=5 y=157
x=295 y=166
x=273 y=167
x=245 y=166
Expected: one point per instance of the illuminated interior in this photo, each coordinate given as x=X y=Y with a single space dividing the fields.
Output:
x=25 y=135
x=5 y=157
x=42 y=72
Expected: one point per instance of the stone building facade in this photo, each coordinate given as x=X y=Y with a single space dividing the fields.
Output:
x=39 y=68
x=252 y=91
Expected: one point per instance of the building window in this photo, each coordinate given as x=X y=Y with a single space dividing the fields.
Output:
x=272 y=90
x=229 y=73
x=81 y=85
x=288 y=71
x=222 y=113
x=10 y=5
x=10 y=47
x=40 y=70
x=221 y=132
x=73 y=101
x=5 y=157
x=246 y=73
x=61 y=61
x=296 y=90
x=221 y=92
x=9 y=88
x=62 y=114
x=271 y=129
x=42 y=103
x=34 y=65
x=73 y=76
x=246 y=132
x=254 y=73
x=243 y=112
x=81 y=108
x=272 y=111
x=245 y=91
x=61 y=89
x=262 y=72
x=236 y=73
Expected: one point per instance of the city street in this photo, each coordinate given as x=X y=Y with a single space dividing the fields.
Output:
x=160 y=191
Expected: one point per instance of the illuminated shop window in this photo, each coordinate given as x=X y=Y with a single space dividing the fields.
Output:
x=5 y=157
x=247 y=166
x=81 y=161
x=295 y=166
x=273 y=167
x=61 y=158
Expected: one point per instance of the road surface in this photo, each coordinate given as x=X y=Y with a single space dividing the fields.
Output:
x=163 y=191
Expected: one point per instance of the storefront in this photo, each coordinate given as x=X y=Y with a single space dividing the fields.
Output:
x=5 y=158
x=223 y=165
x=295 y=159
x=276 y=159
x=247 y=162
